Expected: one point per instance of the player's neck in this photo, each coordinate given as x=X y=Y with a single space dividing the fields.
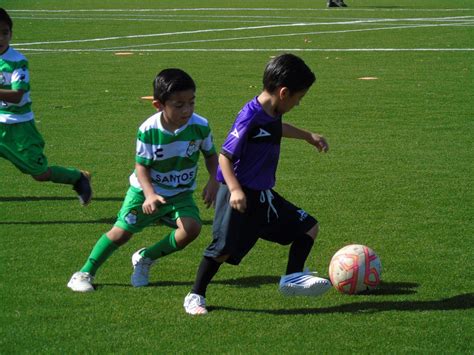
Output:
x=268 y=103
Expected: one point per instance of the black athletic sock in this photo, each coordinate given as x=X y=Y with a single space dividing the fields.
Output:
x=299 y=252
x=206 y=271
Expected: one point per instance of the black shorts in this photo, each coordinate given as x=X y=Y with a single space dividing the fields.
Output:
x=268 y=216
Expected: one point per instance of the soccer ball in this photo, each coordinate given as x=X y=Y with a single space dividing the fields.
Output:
x=355 y=268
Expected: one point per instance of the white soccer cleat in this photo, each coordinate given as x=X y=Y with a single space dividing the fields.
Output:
x=141 y=269
x=303 y=284
x=195 y=304
x=81 y=282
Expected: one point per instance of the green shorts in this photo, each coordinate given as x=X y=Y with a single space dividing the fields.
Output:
x=132 y=219
x=23 y=145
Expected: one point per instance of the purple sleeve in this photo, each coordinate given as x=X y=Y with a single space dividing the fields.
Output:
x=235 y=141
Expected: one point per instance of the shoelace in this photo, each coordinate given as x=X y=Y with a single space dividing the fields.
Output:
x=85 y=277
x=144 y=265
x=196 y=302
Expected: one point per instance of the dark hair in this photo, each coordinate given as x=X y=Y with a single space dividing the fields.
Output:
x=169 y=81
x=4 y=17
x=287 y=70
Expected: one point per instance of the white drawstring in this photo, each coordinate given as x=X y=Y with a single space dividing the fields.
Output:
x=267 y=194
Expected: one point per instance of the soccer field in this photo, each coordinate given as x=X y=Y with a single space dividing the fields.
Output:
x=394 y=98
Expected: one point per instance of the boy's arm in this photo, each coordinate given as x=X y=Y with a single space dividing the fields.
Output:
x=151 y=198
x=315 y=139
x=210 y=190
x=237 y=200
x=11 y=96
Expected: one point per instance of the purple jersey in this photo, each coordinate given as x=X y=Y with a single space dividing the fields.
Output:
x=253 y=146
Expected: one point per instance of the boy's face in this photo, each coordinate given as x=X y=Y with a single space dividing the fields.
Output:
x=178 y=109
x=288 y=100
x=5 y=36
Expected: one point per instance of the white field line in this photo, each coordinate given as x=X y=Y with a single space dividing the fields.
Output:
x=279 y=35
x=278 y=50
x=238 y=9
x=302 y=24
x=209 y=19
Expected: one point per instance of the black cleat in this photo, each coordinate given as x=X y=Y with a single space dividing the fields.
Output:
x=83 y=188
x=336 y=3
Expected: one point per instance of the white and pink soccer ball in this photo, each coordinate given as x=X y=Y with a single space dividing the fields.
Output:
x=355 y=268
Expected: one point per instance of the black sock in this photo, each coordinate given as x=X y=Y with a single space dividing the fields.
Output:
x=299 y=252
x=206 y=271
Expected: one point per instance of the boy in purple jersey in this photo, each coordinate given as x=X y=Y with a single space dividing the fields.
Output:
x=247 y=208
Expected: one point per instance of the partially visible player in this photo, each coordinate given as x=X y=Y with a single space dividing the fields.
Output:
x=20 y=141
x=161 y=187
x=336 y=3
x=247 y=207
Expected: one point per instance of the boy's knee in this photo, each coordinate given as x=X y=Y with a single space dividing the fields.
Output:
x=193 y=230
x=119 y=236
x=313 y=232
x=46 y=176
x=187 y=232
x=222 y=258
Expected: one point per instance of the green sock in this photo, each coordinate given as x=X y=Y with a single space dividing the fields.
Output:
x=102 y=250
x=164 y=247
x=62 y=175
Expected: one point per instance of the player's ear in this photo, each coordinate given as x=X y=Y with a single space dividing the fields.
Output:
x=158 y=105
x=283 y=92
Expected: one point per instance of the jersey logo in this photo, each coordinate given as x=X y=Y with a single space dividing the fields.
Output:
x=192 y=148
x=235 y=133
x=262 y=133
x=302 y=214
x=159 y=153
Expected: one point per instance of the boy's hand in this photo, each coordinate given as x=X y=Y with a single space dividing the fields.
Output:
x=238 y=200
x=149 y=206
x=209 y=193
x=319 y=142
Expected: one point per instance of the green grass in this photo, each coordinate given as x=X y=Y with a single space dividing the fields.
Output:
x=398 y=178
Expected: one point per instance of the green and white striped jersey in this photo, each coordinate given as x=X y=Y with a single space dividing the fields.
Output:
x=172 y=156
x=14 y=75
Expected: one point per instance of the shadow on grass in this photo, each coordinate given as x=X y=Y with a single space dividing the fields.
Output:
x=54 y=198
x=459 y=302
x=35 y=223
x=244 y=282
x=110 y=220
x=379 y=7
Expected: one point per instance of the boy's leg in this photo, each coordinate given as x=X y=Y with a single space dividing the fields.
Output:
x=80 y=180
x=207 y=270
x=61 y=175
x=300 y=249
x=234 y=235
x=164 y=247
x=185 y=213
x=144 y=259
x=195 y=301
x=296 y=227
x=23 y=145
x=107 y=244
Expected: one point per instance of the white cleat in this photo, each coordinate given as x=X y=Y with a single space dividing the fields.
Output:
x=195 y=304
x=81 y=282
x=303 y=284
x=141 y=269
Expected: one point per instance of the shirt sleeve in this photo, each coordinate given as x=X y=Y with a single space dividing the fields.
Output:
x=236 y=139
x=144 y=151
x=207 y=146
x=21 y=77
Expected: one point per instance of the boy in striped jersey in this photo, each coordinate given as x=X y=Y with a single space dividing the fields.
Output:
x=162 y=184
x=20 y=141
